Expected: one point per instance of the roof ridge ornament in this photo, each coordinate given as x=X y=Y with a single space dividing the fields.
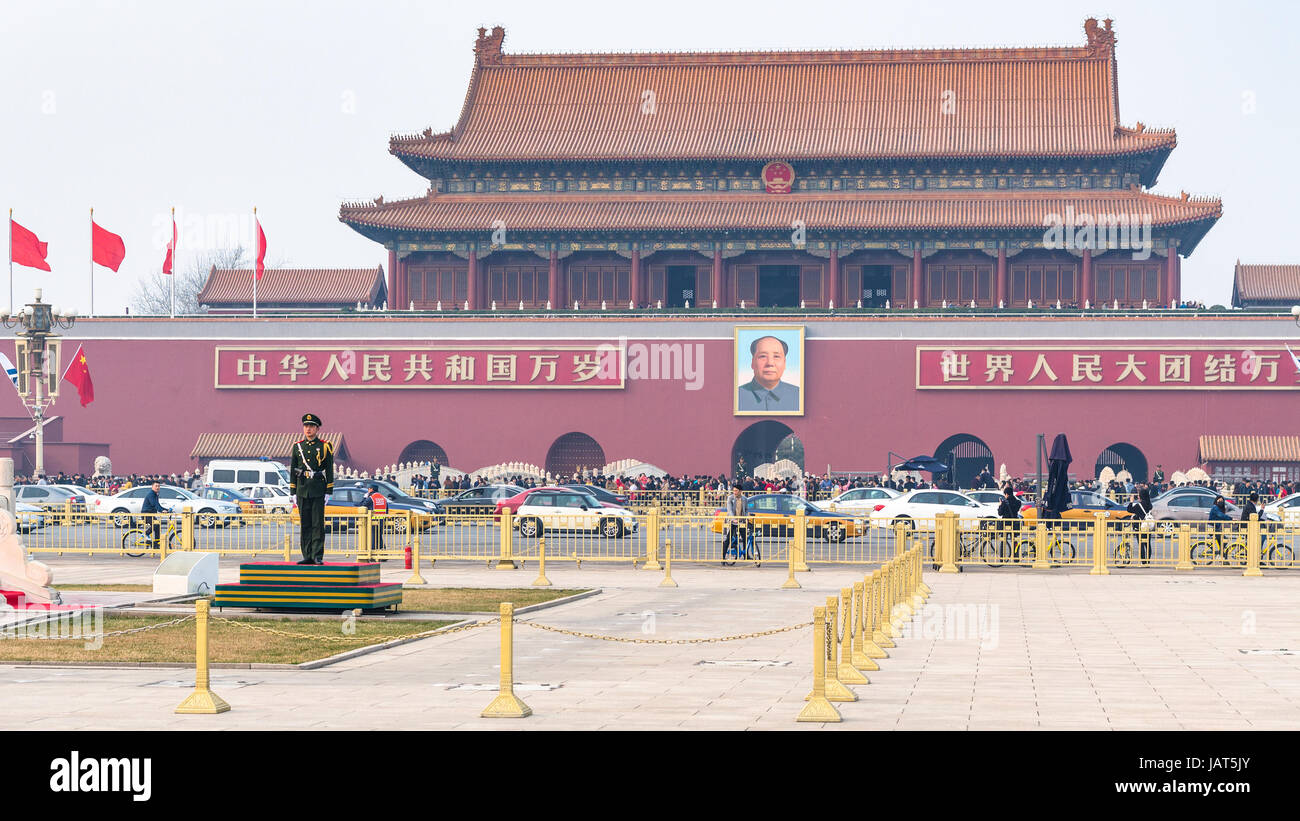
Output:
x=487 y=49
x=1101 y=41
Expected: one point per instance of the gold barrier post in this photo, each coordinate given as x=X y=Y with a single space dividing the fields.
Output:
x=414 y=532
x=1099 y=567
x=1253 y=547
x=819 y=708
x=1040 y=547
x=801 y=539
x=202 y=701
x=848 y=671
x=668 y=565
x=918 y=590
x=878 y=635
x=507 y=704
x=920 y=573
x=860 y=641
x=507 y=561
x=187 y=529
x=541 y=580
x=900 y=535
x=835 y=689
x=1184 y=547
x=898 y=612
x=946 y=526
x=363 y=536
x=868 y=643
x=652 y=540
x=905 y=584
x=288 y=548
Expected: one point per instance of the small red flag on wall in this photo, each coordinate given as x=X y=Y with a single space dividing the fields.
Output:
x=78 y=373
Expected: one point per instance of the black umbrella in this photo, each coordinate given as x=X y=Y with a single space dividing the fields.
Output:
x=926 y=463
x=1057 y=498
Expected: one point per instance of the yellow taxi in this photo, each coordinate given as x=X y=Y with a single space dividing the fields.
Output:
x=1084 y=505
x=772 y=515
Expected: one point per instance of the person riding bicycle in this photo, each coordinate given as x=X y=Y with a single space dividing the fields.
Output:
x=737 y=526
x=152 y=504
x=1009 y=509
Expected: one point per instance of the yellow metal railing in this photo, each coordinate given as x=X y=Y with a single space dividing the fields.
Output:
x=607 y=535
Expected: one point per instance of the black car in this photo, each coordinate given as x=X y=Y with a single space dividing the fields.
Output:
x=477 y=501
x=397 y=500
x=602 y=494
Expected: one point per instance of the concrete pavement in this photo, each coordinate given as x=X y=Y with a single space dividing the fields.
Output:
x=1004 y=649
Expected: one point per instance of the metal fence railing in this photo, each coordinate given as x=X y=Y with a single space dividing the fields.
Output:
x=614 y=535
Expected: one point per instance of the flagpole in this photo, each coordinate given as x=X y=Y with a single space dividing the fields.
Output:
x=92 y=261
x=256 y=248
x=11 y=261
x=173 y=275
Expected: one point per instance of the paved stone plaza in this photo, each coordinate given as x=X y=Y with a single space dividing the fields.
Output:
x=1060 y=650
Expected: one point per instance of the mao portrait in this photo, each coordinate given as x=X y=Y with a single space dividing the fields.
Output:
x=769 y=370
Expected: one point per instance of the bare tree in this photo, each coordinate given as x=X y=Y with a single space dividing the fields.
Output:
x=153 y=294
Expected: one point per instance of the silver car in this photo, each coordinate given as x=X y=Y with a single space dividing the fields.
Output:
x=1188 y=507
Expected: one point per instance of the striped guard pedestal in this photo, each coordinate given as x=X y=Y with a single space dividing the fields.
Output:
x=284 y=585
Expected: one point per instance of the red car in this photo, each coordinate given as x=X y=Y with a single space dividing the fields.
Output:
x=512 y=504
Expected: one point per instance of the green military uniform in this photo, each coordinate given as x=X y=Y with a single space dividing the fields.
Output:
x=311 y=477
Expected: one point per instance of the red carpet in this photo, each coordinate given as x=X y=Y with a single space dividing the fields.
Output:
x=18 y=599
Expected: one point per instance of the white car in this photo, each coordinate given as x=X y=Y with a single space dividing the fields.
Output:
x=986 y=497
x=95 y=502
x=274 y=499
x=859 y=499
x=1286 y=509
x=33 y=520
x=571 y=510
x=207 y=512
x=925 y=504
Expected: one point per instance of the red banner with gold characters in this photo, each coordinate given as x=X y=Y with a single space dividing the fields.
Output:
x=431 y=367
x=1132 y=367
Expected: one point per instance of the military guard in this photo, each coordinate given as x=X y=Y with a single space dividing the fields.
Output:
x=310 y=478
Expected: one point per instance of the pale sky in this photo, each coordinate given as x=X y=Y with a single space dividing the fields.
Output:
x=135 y=106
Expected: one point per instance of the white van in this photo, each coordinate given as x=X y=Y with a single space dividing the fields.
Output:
x=237 y=473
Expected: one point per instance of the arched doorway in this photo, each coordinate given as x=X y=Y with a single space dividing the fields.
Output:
x=965 y=455
x=573 y=453
x=1123 y=456
x=421 y=451
x=763 y=442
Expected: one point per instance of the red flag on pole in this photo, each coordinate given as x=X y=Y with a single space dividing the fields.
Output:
x=26 y=248
x=261 y=251
x=78 y=373
x=171 y=247
x=106 y=248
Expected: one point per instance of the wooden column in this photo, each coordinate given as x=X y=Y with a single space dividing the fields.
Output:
x=473 y=279
x=717 y=279
x=392 y=274
x=403 y=288
x=1178 y=275
x=1171 y=273
x=553 y=282
x=834 y=276
x=1002 y=276
x=635 y=276
x=917 y=293
x=1085 y=277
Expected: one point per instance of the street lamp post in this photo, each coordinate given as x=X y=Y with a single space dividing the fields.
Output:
x=38 y=361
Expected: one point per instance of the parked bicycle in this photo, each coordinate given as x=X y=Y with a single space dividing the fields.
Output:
x=1231 y=550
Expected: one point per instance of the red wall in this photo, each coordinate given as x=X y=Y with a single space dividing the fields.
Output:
x=153 y=399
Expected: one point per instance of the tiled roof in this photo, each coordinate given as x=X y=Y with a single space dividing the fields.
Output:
x=1250 y=448
x=1266 y=282
x=840 y=210
x=344 y=286
x=256 y=445
x=1008 y=102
